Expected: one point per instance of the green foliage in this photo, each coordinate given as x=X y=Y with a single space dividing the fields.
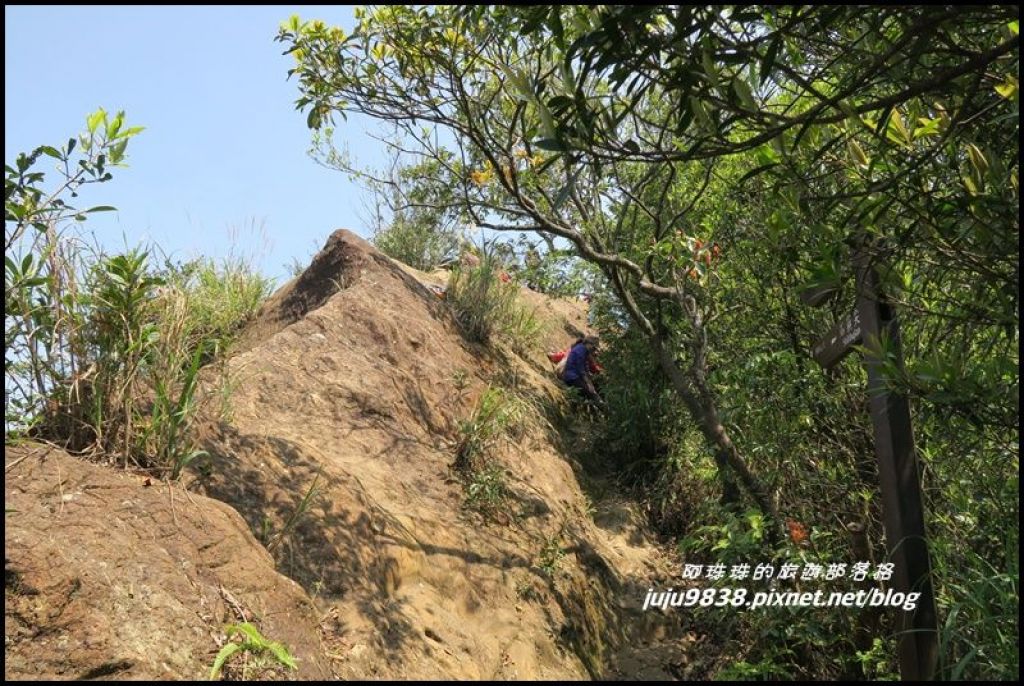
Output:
x=486 y=306
x=636 y=436
x=411 y=211
x=254 y=644
x=551 y=555
x=876 y=662
x=495 y=414
x=416 y=244
x=738 y=538
x=709 y=189
x=220 y=297
x=496 y=417
x=119 y=336
x=554 y=272
x=487 y=490
x=104 y=351
x=43 y=267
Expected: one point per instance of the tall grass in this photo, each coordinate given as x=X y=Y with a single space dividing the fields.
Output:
x=103 y=351
x=219 y=296
x=121 y=345
x=485 y=306
x=497 y=415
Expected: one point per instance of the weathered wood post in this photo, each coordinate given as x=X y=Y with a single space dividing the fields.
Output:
x=873 y=322
x=902 y=509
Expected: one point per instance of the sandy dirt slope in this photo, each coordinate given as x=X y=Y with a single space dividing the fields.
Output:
x=353 y=378
x=105 y=577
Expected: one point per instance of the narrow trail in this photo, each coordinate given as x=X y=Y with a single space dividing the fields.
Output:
x=658 y=645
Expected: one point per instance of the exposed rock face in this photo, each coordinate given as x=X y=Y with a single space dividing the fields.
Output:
x=353 y=375
x=107 y=577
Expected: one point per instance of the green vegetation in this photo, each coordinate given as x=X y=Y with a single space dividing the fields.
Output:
x=551 y=555
x=103 y=352
x=259 y=653
x=485 y=305
x=695 y=168
x=416 y=244
x=710 y=163
x=411 y=222
x=497 y=415
x=486 y=490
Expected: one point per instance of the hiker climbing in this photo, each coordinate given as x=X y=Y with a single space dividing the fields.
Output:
x=577 y=367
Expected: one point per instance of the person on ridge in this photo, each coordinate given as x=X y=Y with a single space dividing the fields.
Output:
x=577 y=368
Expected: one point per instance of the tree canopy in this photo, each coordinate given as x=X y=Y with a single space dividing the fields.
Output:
x=712 y=162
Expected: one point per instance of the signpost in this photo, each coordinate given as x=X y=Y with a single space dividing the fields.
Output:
x=839 y=342
x=874 y=322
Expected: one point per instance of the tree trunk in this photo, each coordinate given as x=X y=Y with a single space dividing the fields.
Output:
x=702 y=408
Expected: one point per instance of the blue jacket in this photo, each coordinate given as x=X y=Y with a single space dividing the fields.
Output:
x=576 y=364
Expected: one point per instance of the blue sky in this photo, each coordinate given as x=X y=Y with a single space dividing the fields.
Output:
x=222 y=163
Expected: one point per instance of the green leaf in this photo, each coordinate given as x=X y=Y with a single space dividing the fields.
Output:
x=115 y=125
x=701 y=114
x=560 y=102
x=978 y=160
x=218 y=663
x=928 y=127
x=743 y=92
x=767 y=155
x=768 y=62
x=545 y=117
x=102 y=208
x=1008 y=88
x=552 y=144
x=709 y=67
x=244 y=628
x=857 y=152
x=1014 y=27
x=282 y=654
x=117 y=151
x=93 y=121
x=754 y=172
x=897 y=131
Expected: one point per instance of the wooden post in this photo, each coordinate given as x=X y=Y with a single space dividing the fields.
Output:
x=867 y=621
x=903 y=513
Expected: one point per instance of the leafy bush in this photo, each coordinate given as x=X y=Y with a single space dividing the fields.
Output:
x=551 y=555
x=485 y=305
x=486 y=490
x=103 y=351
x=44 y=270
x=417 y=243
